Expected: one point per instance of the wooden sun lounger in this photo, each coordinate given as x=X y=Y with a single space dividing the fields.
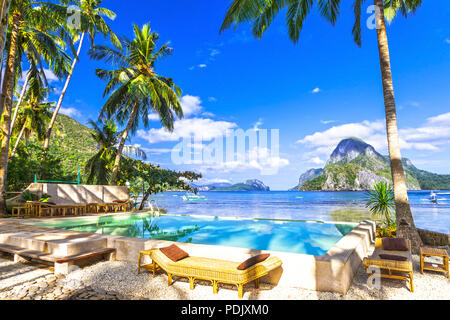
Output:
x=61 y=263
x=20 y=211
x=215 y=270
x=23 y=211
x=63 y=210
x=109 y=207
x=400 y=267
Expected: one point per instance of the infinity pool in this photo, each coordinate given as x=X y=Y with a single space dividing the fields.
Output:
x=262 y=234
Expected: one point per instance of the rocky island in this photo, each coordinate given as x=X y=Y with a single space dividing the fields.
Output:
x=356 y=165
x=249 y=185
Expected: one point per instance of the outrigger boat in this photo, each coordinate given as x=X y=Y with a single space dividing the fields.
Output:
x=193 y=197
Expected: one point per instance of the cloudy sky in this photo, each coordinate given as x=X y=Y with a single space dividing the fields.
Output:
x=315 y=93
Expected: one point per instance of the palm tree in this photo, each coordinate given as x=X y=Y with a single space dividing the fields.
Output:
x=380 y=201
x=107 y=137
x=262 y=13
x=91 y=22
x=32 y=24
x=33 y=47
x=4 y=9
x=33 y=116
x=137 y=89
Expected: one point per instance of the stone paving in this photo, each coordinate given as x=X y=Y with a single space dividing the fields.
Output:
x=15 y=284
x=118 y=280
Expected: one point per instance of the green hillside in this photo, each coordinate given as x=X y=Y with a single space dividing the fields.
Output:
x=74 y=144
x=236 y=187
x=71 y=146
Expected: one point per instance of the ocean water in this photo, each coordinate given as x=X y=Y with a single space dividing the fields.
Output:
x=304 y=205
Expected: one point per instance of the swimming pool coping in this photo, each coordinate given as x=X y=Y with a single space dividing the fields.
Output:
x=332 y=271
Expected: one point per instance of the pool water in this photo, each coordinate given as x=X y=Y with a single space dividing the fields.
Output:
x=262 y=234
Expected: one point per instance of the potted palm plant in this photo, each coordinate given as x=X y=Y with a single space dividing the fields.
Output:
x=381 y=204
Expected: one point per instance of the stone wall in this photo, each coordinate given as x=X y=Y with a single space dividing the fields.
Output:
x=434 y=238
x=67 y=194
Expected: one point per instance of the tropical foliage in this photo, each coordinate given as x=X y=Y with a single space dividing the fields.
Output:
x=33 y=116
x=99 y=165
x=91 y=21
x=380 y=201
x=135 y=89
x=381 y=204
x=41 y=35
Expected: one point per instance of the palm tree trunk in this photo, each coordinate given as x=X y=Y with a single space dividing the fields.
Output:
x=405 y=221
x=5 y=103
x=145 y=197
x=19 y=102
x=13 y=153
x=4 y=10
x=61 y=98
x=122 y=144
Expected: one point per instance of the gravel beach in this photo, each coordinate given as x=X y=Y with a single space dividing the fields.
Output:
x=112 y=280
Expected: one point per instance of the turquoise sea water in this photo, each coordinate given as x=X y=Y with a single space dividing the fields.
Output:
x=304 y=205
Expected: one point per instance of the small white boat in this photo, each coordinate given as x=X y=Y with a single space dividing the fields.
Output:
x=193 y=197
x=433 y=197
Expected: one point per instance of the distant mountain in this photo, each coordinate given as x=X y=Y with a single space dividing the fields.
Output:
x=308 y=175
x=249 y=185
x=356 y=165
x=211 y=186
x=350 y=149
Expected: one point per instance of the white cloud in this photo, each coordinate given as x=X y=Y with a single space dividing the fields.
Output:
x=202 y=65
x=206 y=181
x=191 y=106
x=327 y=121
x=51 y=77
x=71 y=112
x=257 y=158
x=325 y=141
x=447 y=40
x=258 y=124
x=316 y=160
x=156 y=150
x=434 y=133
x=212 y=99
x=213 y=52
x=316 y=90
x=208 y=114
x=199 y=128
x=442 y=119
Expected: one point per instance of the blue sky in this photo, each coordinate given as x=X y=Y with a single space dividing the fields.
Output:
x=315 y=93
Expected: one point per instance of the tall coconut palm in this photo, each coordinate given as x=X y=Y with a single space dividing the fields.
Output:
x=32 y=27
x=91 y=23
x=33 y=117
x=261 y=13
x=137 y=89
x=4 y=9
x=37 y=50
x=107 y=137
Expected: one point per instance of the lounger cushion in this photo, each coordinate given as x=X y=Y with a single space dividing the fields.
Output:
x=174 y=253
x=253 y=260
x=396 y=244
x=393 y=257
